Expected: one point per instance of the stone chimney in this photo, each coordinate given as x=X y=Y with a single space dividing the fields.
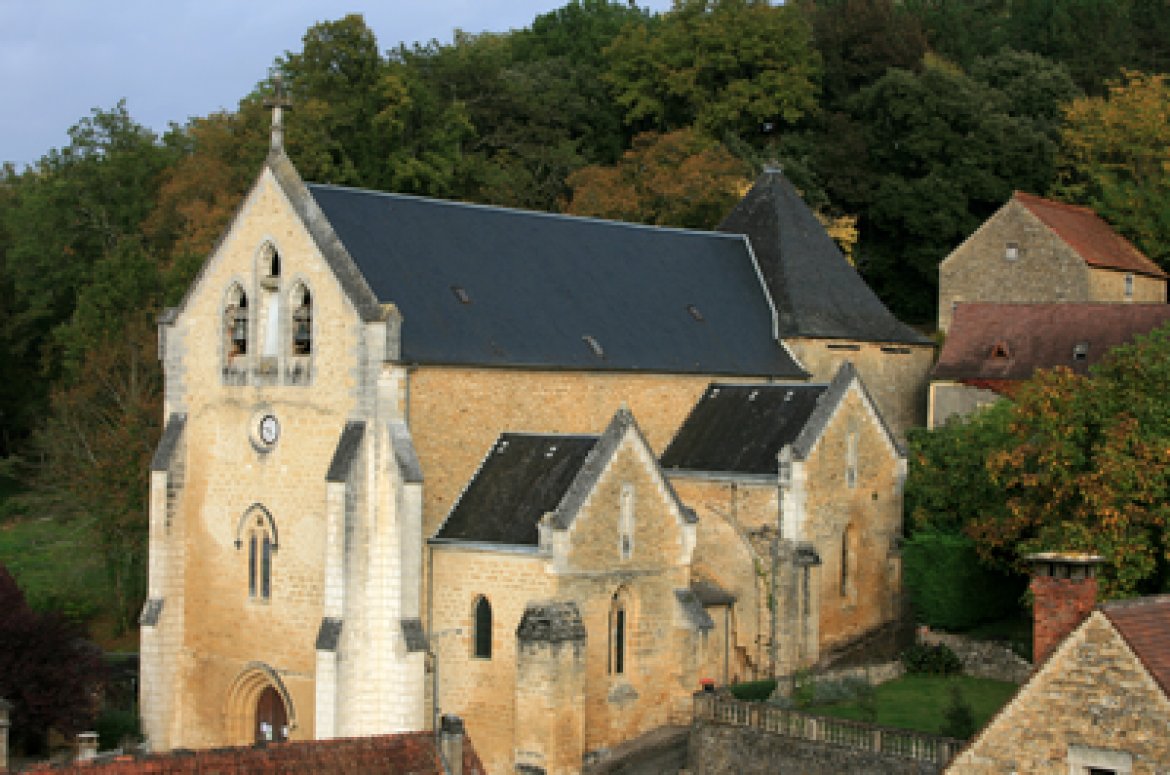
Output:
x=451 y=743
x=1064 y=592
x=87 y=746
x=5 y=709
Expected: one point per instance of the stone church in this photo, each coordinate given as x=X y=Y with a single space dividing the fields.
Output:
x=411 y=464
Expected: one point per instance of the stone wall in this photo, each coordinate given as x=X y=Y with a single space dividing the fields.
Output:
x=954 y=399
x=1092 y=698
x=982 y=658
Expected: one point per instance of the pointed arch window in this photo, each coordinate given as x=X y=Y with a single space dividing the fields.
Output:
x=483 y=628
x=846 y=559
x=236 y=322
x=257 y=532
x=851 y=460
x=302 y=321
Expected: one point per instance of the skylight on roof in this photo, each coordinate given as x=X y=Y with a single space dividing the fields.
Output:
x=594 y=345
x=460 y=294
x=695 y=313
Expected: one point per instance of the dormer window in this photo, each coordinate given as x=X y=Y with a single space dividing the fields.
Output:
x=1080 y=351
x=1000 y=350
x=1011 y=251
x=302 y=320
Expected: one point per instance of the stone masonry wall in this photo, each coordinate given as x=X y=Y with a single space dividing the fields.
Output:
x=895 y=375
x=1046 y=269
x=950 y=399
x=1109 y=285
x=1093 y=693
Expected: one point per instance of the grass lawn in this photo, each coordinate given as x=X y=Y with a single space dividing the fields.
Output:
x=56 y=564
x=919 y=701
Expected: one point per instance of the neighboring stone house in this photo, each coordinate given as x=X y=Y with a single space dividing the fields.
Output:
x=332 y=379
x=799 y=494
x=825 y=312
x=1099 y=702
x=1037 y=250
x=568 y=561
x=992 y=348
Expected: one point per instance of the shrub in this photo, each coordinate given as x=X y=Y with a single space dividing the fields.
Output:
x=950 y=588
x=937 y=659
x=115 y=727
x=754 y=691
x=958 y=717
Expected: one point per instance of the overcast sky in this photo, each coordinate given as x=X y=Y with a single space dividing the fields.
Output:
x=174 y=59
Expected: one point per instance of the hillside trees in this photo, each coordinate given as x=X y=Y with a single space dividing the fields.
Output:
x=1116 y=159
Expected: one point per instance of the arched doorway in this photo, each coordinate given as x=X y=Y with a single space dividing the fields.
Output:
x=271 y=725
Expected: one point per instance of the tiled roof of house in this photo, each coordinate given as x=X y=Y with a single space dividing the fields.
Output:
x=411 y=753
x=989 y=344
x=1144 y=623
x=1089 y=235
x=816 y=291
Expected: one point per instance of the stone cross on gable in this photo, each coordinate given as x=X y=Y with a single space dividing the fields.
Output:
x=278 y=101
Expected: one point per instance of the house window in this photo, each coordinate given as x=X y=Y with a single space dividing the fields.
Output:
x=302 y=321
x=851 y=460
x=235 y=320
x=1011 y=251
x=619 y=624
x=1083 y=760
x=273 y=261
x=626 y=522
x=483 y=628
x=1129 y=285
x=260 y=548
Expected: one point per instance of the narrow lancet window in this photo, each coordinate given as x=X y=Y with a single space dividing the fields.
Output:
x=483 y=628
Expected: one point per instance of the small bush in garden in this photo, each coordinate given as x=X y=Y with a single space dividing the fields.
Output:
x=935 y=659
x=959 y=717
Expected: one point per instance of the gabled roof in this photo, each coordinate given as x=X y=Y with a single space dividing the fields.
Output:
x=817 y=293
x=741 y=429
x=1092 y=238
x=523 y=477
x=1144 y=623
x=479 y=285
x=992 y=343
x=526 y=476
x=410 y=753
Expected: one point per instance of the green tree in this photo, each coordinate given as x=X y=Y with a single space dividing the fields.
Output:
x=1115 y=158
x=727 y=67
x=1089 y=469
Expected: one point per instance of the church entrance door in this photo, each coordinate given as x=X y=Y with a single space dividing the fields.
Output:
x=271 y=717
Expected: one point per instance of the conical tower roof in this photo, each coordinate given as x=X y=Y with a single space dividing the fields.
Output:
x=817 y=293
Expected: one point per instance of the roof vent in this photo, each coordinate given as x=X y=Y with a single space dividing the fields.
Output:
x=1080 y=351
x=503 y=446
x=552 y=450
x=788 y=394
x=460 y=294
x=714 y=392
x=753 y=395
x=594 y=345
x=691 y=308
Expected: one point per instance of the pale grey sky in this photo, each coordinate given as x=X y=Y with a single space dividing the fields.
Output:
x=174 y=59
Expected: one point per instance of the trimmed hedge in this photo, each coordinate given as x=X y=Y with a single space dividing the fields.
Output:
x=754 y=691
x=948 y=585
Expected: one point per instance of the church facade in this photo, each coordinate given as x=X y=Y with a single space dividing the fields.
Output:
x=334 y=379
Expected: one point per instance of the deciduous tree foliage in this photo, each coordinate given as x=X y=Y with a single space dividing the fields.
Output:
x=1116 y=159
x=723 y=66
x=1088 y=468
x=47 y=670
x=677 y=179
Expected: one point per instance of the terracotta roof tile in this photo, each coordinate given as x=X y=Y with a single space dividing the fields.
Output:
x=1089 y=235
x=412 y=753
x=991 y=345
x=1145 y=625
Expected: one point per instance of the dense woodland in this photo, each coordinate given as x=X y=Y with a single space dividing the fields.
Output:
x=905 y=123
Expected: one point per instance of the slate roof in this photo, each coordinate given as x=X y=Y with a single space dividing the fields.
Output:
x=410 y=753
x=741 y=428
x=169 y=442
x=992 y=344
x=344 y=455
x=816 y=291
x=1090 y=236
x=523 y=477
x=1144 y=623
x=479 y=285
